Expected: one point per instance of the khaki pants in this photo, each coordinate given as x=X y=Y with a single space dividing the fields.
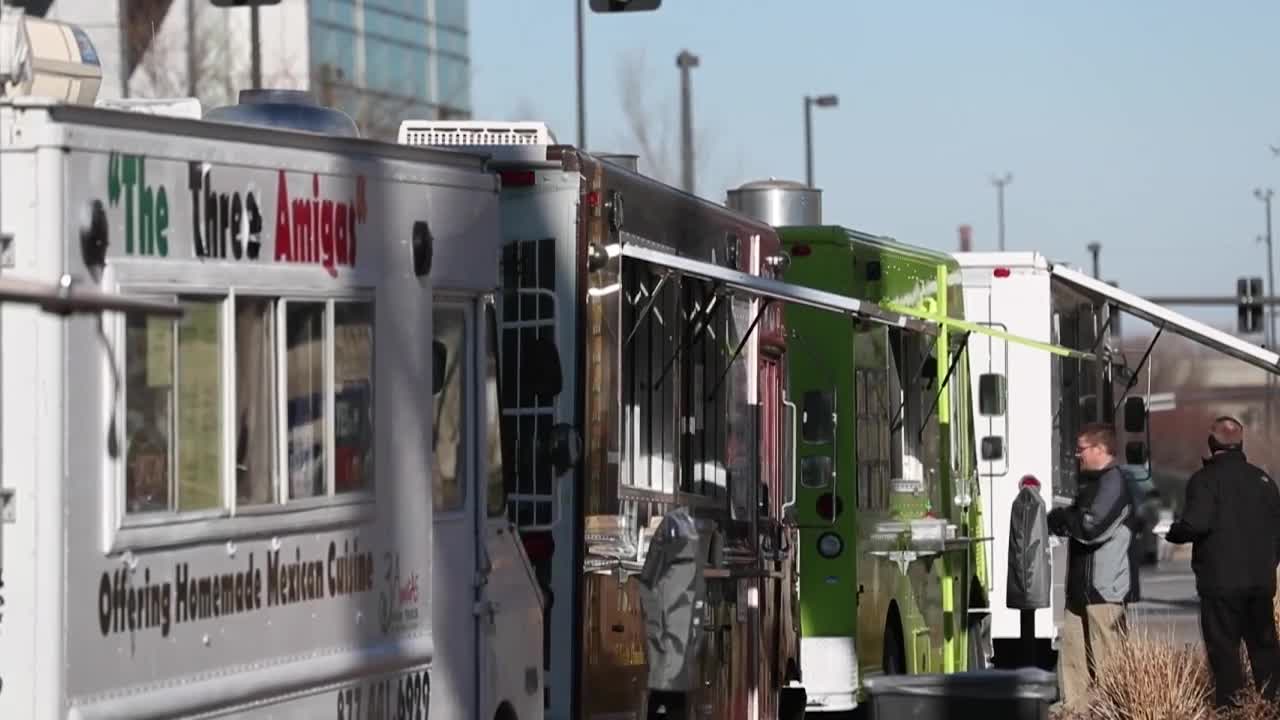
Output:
x=1086 y=641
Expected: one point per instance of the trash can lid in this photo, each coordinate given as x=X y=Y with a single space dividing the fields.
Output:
x=1023 y=683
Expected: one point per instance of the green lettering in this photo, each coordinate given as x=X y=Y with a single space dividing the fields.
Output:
x=113 y=179
x=129 y=173
x=162 y=222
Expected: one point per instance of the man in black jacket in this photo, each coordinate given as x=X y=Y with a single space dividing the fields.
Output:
x=1100 y=524
x=1232 y=518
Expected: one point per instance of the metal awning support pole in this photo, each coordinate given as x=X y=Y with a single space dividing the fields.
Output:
x=644 y=312
x=68 y=296
x=1133 y=379
x=738 y=350
x=699 y=326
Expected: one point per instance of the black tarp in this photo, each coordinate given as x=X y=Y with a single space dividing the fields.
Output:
x=1030 y=581
x=673 y=600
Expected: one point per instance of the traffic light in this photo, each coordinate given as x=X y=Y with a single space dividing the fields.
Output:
x=608 y=6
x=1249 y=304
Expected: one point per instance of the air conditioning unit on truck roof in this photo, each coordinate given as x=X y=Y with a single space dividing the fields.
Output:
x=518 y=141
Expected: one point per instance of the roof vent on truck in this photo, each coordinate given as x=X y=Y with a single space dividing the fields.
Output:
x=287 y=109
x=777 y=202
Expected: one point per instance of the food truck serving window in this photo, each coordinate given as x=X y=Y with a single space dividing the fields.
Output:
x=289 y=381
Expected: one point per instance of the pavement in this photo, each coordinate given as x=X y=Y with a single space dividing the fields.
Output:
x=1169 y=608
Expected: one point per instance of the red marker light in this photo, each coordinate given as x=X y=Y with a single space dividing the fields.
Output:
x=593 y=199
x=538 y=546
x=800 y=250
x=1001 y=272
x=517 y=178
x=829 y=507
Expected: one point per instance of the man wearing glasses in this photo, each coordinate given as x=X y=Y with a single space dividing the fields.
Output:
x=1232 y=518
x=1100 y=525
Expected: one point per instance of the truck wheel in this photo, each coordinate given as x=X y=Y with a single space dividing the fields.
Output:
x=791 y=703
x=894 y=655
x=979 y=643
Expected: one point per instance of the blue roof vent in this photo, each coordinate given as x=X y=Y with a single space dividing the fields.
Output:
x=291 y=109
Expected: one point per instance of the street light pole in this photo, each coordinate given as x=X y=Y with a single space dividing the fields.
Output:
x=582 y=93
x=1000 y=182
x=809 y=102
x=1265 y=197
x=255 y=50
x=1095 y=249
x=686 y=61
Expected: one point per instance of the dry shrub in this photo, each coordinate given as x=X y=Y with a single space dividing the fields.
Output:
x=1252 y=706
x=1151 y=679
x=1250 y=703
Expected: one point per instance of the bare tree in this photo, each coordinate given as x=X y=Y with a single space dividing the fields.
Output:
x=204 y=61
x=525 y=109
x=652 y=124
x=378 y=114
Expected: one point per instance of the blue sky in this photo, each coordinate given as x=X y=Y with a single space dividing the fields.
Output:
x=1142 y=125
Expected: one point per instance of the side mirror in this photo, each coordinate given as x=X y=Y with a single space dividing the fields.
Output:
x=992 y=447
x=817 y=424
x=1135 y=415
x=1135 y=453
x=1089 y=408
x=562 y=448
x=540 y=367
x=992 y=393
x=439 y=363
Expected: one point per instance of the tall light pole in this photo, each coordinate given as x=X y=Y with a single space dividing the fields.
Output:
x=1000 y=182
x=686 y=61
x=582 y=93
x=809 y=102
x=255 y=48
x=1265 y=195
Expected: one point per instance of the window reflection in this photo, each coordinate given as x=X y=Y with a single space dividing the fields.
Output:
x=353 y=395
x=255 y=401
x=447 y=432
x=304 y=400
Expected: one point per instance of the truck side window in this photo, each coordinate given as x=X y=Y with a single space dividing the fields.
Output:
x=497 y=428
x=449 y=429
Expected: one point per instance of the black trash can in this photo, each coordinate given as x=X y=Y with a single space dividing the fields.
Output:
x=1023 y=694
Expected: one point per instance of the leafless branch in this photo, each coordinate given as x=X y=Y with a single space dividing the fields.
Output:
x=650 y=124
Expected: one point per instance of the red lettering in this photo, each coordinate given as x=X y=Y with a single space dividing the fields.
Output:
x=351 y=232
x=283 y=243
x=317 y=230
x=326 y=236
x=340 y=233
x=302 y=230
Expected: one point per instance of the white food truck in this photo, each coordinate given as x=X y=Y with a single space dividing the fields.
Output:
x=288 y=501
x=1045 y=398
